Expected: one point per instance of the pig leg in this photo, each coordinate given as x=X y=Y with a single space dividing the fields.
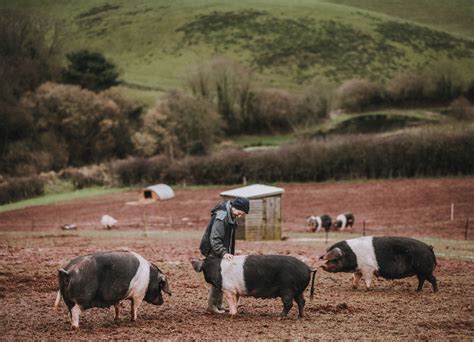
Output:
x=355 y=279
x=75 y=311
x=300 y=301
x=368 y=279
x=421 y=281
x=232 y=299
x=117 y=312
x=287 y=300
x=431 y=278
x=134 y=307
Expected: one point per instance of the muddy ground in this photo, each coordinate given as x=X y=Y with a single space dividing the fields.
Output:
x=33 y=247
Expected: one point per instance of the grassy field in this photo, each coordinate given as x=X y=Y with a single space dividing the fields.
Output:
x=156 y=44
x=450 y=15
x=60 y=197
x=263 y=140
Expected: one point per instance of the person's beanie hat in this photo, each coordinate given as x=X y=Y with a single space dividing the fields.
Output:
x=241 y=203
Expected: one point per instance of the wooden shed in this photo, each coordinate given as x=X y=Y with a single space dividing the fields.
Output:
x=263 y=222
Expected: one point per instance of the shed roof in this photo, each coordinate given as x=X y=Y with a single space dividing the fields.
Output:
x=163 y=191
x=254 y=191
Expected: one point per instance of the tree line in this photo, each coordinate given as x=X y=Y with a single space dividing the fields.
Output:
x=54 y=117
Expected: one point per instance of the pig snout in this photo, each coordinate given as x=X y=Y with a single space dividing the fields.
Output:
x=333 y=258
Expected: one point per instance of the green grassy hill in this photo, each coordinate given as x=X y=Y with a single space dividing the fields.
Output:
x=157 y=43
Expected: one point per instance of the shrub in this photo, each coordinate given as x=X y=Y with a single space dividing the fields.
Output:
x=90 y=127
x=131 y=109
x=358 y=94
x=469 y=94
x=27 y=158
x=91 y=70
x=461 y=109
x=226 y=84
x=410 y=86
x=219 y=168
x=130 y=171
x=15 y=189
x=429 y=152
x=28 y=57
x=446 y=82
x=315 y=103
x=84 y=177
x=178 y=125
x=270 y=110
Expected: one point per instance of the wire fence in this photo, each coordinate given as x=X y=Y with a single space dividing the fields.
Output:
x=143 y=222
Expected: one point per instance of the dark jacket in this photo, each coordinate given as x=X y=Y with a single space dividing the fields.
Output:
x=219 y=237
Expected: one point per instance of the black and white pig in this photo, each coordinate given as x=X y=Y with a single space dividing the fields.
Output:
x=104 y=279
x=344 y=221
x=317 y=222
x=259 y=276
x=387 y=256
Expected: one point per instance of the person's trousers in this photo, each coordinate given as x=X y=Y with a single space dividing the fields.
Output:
x=214 y=298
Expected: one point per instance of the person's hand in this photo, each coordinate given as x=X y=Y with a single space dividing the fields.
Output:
x=228 y=257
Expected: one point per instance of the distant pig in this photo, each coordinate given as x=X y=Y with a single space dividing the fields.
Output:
x=388 y=257
x=259 y=276
x=317 y=222
x=104 y=279
x=344 y=221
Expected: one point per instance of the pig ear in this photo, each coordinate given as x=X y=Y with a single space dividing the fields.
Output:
x=334 y=254
x=165 y=287
x=197 y=264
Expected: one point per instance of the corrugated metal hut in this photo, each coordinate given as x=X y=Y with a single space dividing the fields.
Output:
x=263 y=222
x=158 y=192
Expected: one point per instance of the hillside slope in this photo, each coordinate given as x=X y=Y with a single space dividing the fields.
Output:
x=157 y=43
x=455 y=16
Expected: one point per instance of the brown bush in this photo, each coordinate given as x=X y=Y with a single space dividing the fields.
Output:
x=90 y=127
x=315 y=103
x=226 y=84
x=178 y=125
x=410 y=86
x=15 y=189
x=461 y=109
x=88 y=176
x=358 y=94
x=437 y=151
x=271 y=110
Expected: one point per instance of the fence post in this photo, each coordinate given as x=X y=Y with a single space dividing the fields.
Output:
x=363 y=228
x=452 y=211
x=466 y=228
x=144 y=223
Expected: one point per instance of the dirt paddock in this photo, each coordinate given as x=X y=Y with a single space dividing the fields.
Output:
x=33 y=247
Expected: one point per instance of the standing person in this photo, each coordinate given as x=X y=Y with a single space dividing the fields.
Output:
x=218 y=240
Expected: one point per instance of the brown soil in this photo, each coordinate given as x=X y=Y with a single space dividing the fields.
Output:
x=32 y=248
